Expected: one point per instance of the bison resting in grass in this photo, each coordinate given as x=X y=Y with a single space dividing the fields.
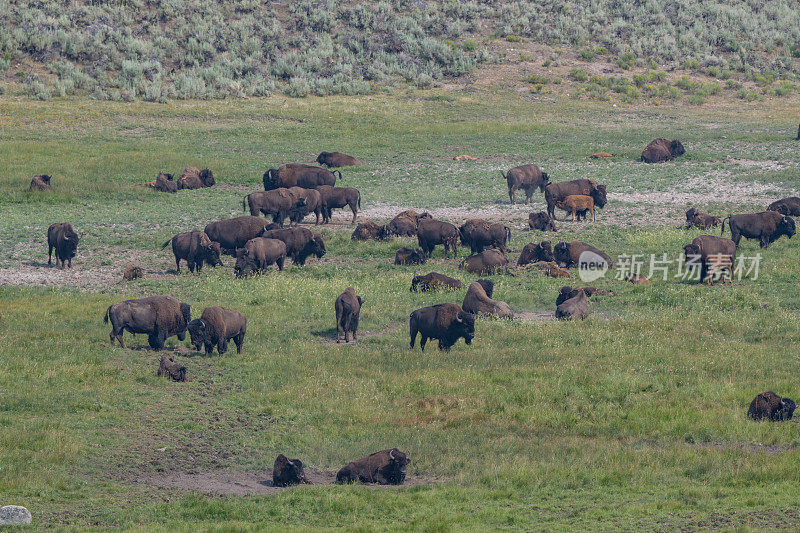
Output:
x=695 y=218
x=132 y=272
x=478 y=302
x=165 y=183
x=40 y=183
x=299 y=175
x=195 y=248
x=257 y=255
x=558 y=192
x=770 y=406
x=338 y=197
x=786 y=206
x=233 y=233
x=486 y=262
x=348 y=309
x=300 y=243
x=432 y=232
x=569 y=254
x=367 y=231
x=526 y=178
x=405 y=224
x=660 y=150
x=215 y=327
x=711 y=254
x=409 y=256
x=767 y=227
x=566 y=292
x=386 y=467
x=575 y=307
x=479 y=234
x=194 y=178
x=63 y=239
x=287 y=472
x=533 y=253
x=160 y=317
x=434 y=282
x=445 y=322
x=541 y=221
x=337 y=159
x=168 y=367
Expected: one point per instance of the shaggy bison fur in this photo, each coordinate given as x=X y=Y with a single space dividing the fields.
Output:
x=526 y=178
x=168 y=367
x=63 y=239
x=337 y=159
x=299 y=175
x=195 y=248
x=288 y=472
x=386 y=467
x=194 y=178
x=348 y=308
x=558 y=192
x=434 y=282
x=478 y=302
x=215 y=327
x=367 y=231
x=786 y=206
x=770 y=406
x=541 y=221
x=409 y=256
x=405 y=224
x=446 y=322
x=40 y=183
x=479 y=234
x=532 y=253
x=300 y=243
x=132 y=272
x=257 y=255
x=159 y=317
x=767 y=227
x=660 y=150
x=165 y=183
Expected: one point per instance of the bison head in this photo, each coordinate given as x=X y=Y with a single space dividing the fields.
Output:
x=245 y=265
x=207 y=177
x=545 y=181
x=212 y=252
x=599 y=195
x=488 y=286
x=676 y=148
x=690 y=214
x=464 y=325
x=786 y=409
x=399 y=459
x=270 y=180
x=693 y=257
x=70 y=243
x=198 y=332
x=45 y=178
x=544 y=252
x=318 y=243
x=787 y=227
x=783 y=209
x=164 y=175
x=561 y=254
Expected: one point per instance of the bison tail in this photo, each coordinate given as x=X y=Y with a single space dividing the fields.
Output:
x=338 y=172
x=244 y=203
x=105 y=318
x=359 y=200
x=504 y=175
x=508 y=233
x=728 y=218
x=166 y=244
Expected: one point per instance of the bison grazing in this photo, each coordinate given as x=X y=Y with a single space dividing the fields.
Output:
x=533 y=253
x=160 y=317
x=194 y=178
x=279 y=203
x=479 y=234
x=541 y=221
x=168 y=367
x=577 y=204
x=313 y=204
x=434 y=282
x=660 y=150
x=258 y=254
x=337 y=197
x=558 y=192
x=215 y=327
x=40 y=183
x=478 y=302
x=287 y=472
x=431 y=232
x=575 y=307
x=299 y=175
x=195 y=248
x=386 y=467
x=486 y=262
x=786 y=206
x=770 y=406
x=348 y=308
x=526 y=178
x=405 y=224
x=367 y=231
x=445 y=322
x=62 y=238
x=300 y=243
x=165 y=183
x=409 y=256
x=568 y=254
x=233 y=233
x=711 y=254
x=766 y=226
x=337 y=159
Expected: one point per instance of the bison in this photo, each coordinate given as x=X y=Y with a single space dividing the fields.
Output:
x=541 y=221
x=446 y=322
x=299 y=175
x=337 y=197
x=132 y=272
x=367 y=231
x=575 y=307
x=194 y=178
x=405 y=224
x=711 y=254
x=258 y=254
x=348 y=308
x=660 y=150
x=40 y=183
x=695 y=218
x=165 y=183
x=168 y=367
x=195 y=248
x=786 y=206
x=532 y=253
x=432 y=232
x=526 y=178
x=279 y=203
x=433 y=282
x=287 y=472
x=479 y=234
x=386 y=467
x=160 y=317
x=313 y=204
x=233 y=233
x=337 y=159
x=478 y=302
x=409 y=256
x=215 y=327
x=63 y=239
x=577 y=204
x=568 y=254
x=770 y=406
x=300 y=243
x=566 y=292
x=558 y=192
x=486 y=262
x=767 y=227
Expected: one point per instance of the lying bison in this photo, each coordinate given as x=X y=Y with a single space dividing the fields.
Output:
x=786 y=206
x=479 y=234
x=279 y=203
x=286 y=472
x=165 y=183
x=526 y=178
x=486 y=262
x=478 y=302
x=532 y=253
x=194 y=178
x=445 y=322
x=711 y=254
x=338 y=197
x=313 y=204
x=168 y=367
x=770 y=406
x=660 y=150
x=558 y=192
x=367 y=231
x=541 y=221
x=767 y=227
x=348 y=309
x=434 y=282
x=695 y=218
x=569 y=254
x=233 y=233
x=215 y=327
x=575 y=307
x=405 y=224
x=257 y=255
x=431 y=233
x=63 y=239
x=300 y=243
x=195 y=248
x=160 y=317
x=566 y=292
x=337 y=159
x=40 y=183
x=299 y=175
x=386 y=467
x=409 y=256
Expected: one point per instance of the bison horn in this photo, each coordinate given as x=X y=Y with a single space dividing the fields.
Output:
x=391 y=454
x=459 y=318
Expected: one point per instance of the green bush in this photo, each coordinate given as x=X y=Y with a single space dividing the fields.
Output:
x=579 y=75
x=586 y=54
x=470 y=45
x=626 y=61
x=697 y=99
x=513 y=38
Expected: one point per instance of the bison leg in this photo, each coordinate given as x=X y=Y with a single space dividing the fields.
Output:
x=178 y=265
x=190 y=263
x=239 y=340
x=764 y=241
x=422 y=341
x=354 y=209
x=413 y=333
x=593 y=219
x=511 y=191
x=279 y=262
x=209 y=348
x=222 y=347
x=182 y=336
x=50 y=254
x=156 y=340
x=70 y=262
x=199 y=266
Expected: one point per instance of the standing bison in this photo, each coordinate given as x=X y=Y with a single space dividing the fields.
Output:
x=558 y=192
x=526 y=178
x=299 y=175
x=767 y=227
x=338 y=197
x=195 y=248
x=433 y=232
x=479 y=234
x=405 y=224
x=300 y=243
x=487 y=262
x=194 y=178
x=313 y=204
x=159 y=317
x=40 y=183
x=279 y=203
x=348 y=309
x=386 y=467
x=63 y=239
x=446 y=322
x=786 y=206
x=215 y=327
x=233 y=233
x=337 y=159
x=660 y=150
x=258 y=254
x=711 y=254
x=478 y=302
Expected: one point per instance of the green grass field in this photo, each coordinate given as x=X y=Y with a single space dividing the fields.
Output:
x=635 y=418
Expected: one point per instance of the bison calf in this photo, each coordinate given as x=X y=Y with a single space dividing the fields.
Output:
x=215 y=327
x=174 y=371
x=63 y=239
x=386 y=467
x=433 y=282
x=770 y=406
x=577 y=204
x=287 y=472
x=348 y=308
x=40 y=183
x=132 y=272
x=195 y=248
x=446 y=322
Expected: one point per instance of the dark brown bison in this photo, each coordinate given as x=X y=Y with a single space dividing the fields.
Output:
x=195 y=248
x=168 y=367
x=337 y=159
x=695 y=218
x=566 y=292
x=215 y=327
x=541 y=221
x=786 y=206
x=531 y=253
x=432 y=232
x=409 y=256
x=338 y=197
x=568 y=254
x=194 y=178
x=578 y=205
x=711 y=254
x=479 y=234
x=660 y=150
x=487 y=262
x=313 y=204
x=40 y=183
x=300 y=243
x=348 y=309
x=165 y=183
x=558 y=192
x=63 y=239
x=575 y=307
x=767 y=227
x=434 y=282
x=386 y=467
x=132 y=272
x=233 y=233
x=526 y=178
x=286 y=472
x=257 y=255
x=445 y=322
x=477 y=302
x=278 y=202
x=770 y=406
x=367 y=231
x=299 y=175
x=405 y=224
x=160 y=317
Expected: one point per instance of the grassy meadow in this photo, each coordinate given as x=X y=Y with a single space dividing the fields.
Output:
x=635 y=418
